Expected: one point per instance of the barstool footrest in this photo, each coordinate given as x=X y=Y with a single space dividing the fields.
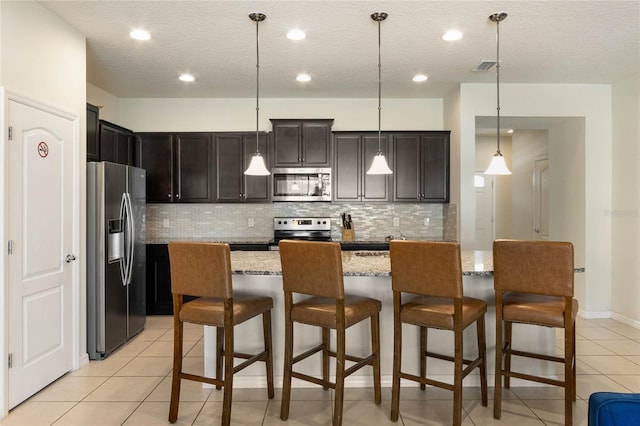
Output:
x=427 y=381
x=314 y=350
x=262 y=356
x=538 y=379
x=537 y=356
x=312 y=379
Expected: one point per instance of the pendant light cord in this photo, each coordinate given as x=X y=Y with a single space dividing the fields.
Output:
x=257 y=86
x=379 y=92
x=498 y=79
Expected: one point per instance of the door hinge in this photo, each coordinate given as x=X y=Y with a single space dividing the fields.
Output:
x=10 y=247
x=10 y=133
x=10 y=360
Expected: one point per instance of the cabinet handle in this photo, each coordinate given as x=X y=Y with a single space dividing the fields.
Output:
x=178 y=196
x=169 y=195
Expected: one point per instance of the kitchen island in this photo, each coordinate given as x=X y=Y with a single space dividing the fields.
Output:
x=367 y=273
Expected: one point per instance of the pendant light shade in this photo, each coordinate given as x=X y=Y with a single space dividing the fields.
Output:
x=379 y=165
x=498 y=165
x=257 y=167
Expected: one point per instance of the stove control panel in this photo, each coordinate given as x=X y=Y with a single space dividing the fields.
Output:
x=301 y=223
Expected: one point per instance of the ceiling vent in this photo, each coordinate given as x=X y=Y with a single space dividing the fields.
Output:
x=485 y=65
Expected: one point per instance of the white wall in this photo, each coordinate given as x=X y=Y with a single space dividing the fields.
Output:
x=44 y=59
x=104 y=100
x=240 y=114
x=554 y=100
x=625 y=211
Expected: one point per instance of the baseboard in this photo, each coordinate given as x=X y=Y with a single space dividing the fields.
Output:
x=626 y=320
x=594 y=314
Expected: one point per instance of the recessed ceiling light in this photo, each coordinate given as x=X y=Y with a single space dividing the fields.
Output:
x=296 y=35
x=418 y=78
x=186 y=77
x=452 y=35
x=303 y=78
x=140 y=34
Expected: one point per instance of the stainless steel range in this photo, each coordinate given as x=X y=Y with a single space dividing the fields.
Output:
x=301 y=228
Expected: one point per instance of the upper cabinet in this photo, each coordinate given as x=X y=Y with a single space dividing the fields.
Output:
x=302 y=143
x=93 y=137
x=180 y=166
x=233 y=154
x=421 y=166
x=354 y=152
x=116 y=143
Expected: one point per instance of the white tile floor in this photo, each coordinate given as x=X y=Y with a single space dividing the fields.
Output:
x=132 y=386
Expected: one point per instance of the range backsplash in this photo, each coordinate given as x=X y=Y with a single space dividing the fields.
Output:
x=371 y=222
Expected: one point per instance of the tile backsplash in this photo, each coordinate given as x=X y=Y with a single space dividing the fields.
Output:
x=372 y=222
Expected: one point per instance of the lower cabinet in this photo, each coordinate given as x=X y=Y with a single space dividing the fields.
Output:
x=159 y=300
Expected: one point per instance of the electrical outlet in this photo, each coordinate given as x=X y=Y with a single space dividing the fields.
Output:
x=396 y=221
x=427 y=221
x=251 y=222
x=165 y=223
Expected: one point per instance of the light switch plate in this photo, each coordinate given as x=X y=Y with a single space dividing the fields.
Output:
x=251 y=222
x=396 y=221
x=165 y=223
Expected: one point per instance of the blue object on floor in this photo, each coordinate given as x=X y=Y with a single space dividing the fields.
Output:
x=614 y=409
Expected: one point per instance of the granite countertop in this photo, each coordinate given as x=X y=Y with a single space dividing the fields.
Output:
x=354 y=263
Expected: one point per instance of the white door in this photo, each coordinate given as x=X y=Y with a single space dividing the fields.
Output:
x=40 y=231
x=484 y=211
x=541 y=199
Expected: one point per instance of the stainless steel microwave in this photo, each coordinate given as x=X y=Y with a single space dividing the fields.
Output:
x=301 y=184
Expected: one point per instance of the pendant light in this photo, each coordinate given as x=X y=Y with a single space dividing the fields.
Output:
x=498 y=165
x=379 y=165
x=257 y=166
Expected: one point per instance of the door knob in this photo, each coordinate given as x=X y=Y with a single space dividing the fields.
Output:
x=70 y=258
x=537 y=230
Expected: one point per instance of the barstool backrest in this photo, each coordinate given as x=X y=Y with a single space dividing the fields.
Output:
x=537 y=267
x=201 y=269
x=312 y=267
x=426 y=267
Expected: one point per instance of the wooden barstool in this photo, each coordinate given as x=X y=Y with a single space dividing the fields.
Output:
x=432 y=273
x=315 y=269
x=533 y=281
x=204 y=270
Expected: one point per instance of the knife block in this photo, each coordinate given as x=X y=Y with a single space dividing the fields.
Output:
x=348 y=234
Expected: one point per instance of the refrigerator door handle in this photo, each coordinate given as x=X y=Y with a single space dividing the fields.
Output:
x=123 y=218
x=130 y=237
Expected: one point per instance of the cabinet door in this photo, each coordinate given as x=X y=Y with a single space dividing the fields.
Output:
x=316 y=144
x=194 y=168
x=93 y=136
x=435 y=168
x=159 y=298
x=286 y=144
x=347 y=168
x=256 y=188
x=374 y=187
x=116 y=143
x=154 y=153
x=229 y=168
x=406 y=167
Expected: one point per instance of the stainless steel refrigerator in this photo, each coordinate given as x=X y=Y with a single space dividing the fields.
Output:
x=116 y=296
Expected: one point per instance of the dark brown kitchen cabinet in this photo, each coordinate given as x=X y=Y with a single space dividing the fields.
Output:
x=233 y=155
x=421 y=166
x=180 y=166
x=354 y=152
x=302 y=143
x=159 y=299
x=116 y=143
x=93 y=141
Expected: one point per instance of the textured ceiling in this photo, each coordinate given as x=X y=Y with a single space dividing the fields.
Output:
x=593 y=42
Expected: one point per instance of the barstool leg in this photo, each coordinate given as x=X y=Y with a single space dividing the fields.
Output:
x=568 y=377
x=482 y=352
x=219 y=354
x=228 y=378
x=325 y=357
x=423 y=356
x=177 y=370
x=457 y=378
x=397 y=362
x=340 y=360
x=266 y=330
x=508 y=327
x=497 y=389
x=288 y=358
x=375 y=346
